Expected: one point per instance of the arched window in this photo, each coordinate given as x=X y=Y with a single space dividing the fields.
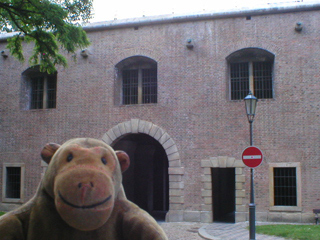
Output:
x=40 y=89
x=251 y=69
x=138 y=78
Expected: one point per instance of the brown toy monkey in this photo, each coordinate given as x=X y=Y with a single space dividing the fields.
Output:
x=81 y=197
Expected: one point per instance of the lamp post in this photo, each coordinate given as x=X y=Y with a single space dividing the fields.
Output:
x=251 y=104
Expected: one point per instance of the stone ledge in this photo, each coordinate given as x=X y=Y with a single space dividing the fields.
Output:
x=174 y=216
x=191 y=216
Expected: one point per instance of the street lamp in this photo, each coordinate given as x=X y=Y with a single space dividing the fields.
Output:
x=251 y=104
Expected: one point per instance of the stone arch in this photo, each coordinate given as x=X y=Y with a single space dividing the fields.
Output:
x=223 y=162
x=175 y=171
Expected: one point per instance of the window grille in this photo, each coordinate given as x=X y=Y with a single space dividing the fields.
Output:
x=239 y=80
x=51 y=92
x=13 y=182
x=43 y=91
x=285 y=186
x=139 y=86
x=149 y=86
x=37 y=84
x=254 y=76
x=262 y=72
x=130 y=86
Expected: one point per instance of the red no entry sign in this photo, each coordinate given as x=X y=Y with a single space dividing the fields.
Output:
x=252 y=157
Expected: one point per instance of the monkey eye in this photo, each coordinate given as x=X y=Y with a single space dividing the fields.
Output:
x=104 y=160
x=70 y=157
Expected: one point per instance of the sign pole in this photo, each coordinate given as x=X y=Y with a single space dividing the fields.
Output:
x=252 y=210
x=252 y=157
x=252 y=205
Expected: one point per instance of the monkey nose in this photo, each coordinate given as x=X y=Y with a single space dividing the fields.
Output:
x=85 y=185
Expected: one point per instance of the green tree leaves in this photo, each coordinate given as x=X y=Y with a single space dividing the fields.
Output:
x=52 y=26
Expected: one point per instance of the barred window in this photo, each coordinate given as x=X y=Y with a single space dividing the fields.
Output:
x=130 y=86
x=149 y=86
x=41 y=89
x=13 y=182
x=239 y=80
x=285 y=186
x=262 y=75
x=251 y=70
x=138 y=76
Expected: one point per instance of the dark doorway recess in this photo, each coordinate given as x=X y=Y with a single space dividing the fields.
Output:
x=223 y=194
x=146 y=181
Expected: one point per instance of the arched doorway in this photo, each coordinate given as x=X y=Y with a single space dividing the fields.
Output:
x=146 y=181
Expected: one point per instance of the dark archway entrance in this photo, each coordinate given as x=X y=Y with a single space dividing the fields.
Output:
x=223 y=194
x=146 y=181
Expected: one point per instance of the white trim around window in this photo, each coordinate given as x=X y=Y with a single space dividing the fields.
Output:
x=20 y=196
x=297 y=166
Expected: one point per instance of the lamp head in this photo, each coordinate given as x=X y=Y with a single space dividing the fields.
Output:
x=251 y=104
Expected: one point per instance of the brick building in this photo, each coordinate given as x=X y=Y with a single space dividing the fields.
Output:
x=169 y=90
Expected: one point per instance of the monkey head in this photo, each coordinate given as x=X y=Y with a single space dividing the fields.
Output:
x=83 y=178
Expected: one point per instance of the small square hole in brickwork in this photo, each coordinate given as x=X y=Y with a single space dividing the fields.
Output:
x=248 y=17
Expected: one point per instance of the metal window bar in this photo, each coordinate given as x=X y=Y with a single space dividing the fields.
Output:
x=239 y=78
x=13 y=182
x=130 y=86
x=37 y=85
x=51 y=91
x=149 y=86
x=285 y=187
x=262 y=72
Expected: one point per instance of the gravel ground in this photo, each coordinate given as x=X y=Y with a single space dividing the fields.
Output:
x=182 y=230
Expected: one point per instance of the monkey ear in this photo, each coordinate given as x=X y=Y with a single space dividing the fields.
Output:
x=48 y=150
x=124 y=160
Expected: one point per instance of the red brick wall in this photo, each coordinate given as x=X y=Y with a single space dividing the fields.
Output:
x=193 y=98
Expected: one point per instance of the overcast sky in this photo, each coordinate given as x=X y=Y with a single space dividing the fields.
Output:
x=121 y=9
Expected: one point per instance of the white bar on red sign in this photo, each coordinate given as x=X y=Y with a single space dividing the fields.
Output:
x=252 y=157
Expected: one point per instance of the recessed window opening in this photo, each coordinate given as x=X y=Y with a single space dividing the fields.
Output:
x=251 y=70
x=254 y=76
x=13 y=182
x=285 y=187
x=139 y=80
x=43 y=92
x=41 y=89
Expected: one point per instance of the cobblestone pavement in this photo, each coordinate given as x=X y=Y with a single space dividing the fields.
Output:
x=232 y=231
x=182 y=230
x=211 y=231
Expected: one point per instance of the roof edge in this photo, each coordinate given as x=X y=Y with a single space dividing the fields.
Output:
x=173 y=18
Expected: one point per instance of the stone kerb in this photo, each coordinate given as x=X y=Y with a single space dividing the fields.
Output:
x=206 y=191
x=175 y=171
